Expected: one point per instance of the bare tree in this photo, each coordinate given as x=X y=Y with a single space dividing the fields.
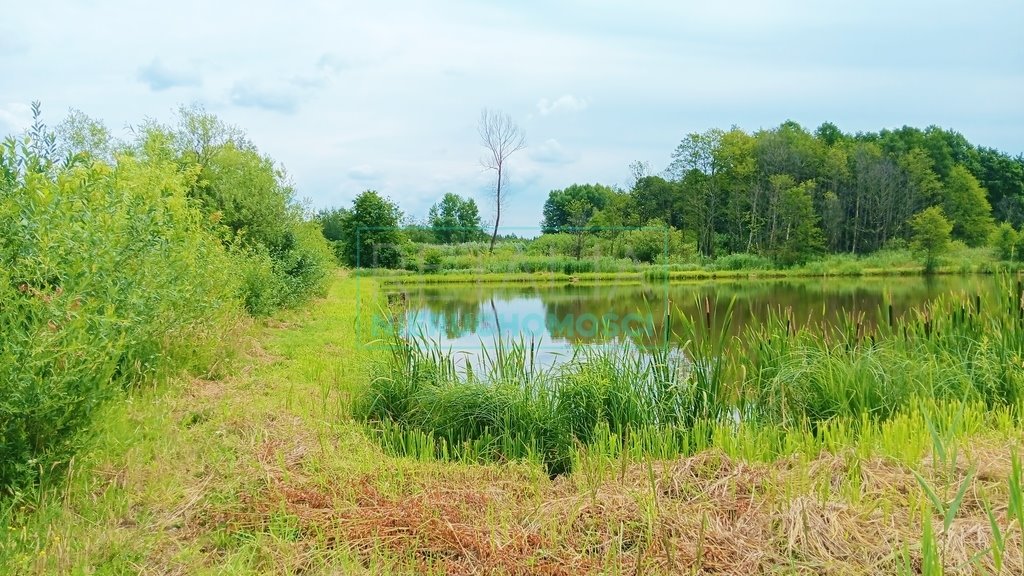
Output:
x=638 y=170
x=502 y=138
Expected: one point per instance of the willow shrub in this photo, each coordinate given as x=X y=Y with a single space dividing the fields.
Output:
x=108 y=277
x=284 y=275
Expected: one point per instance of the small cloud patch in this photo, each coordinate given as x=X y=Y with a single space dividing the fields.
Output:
x=564 y=103
x=364 y=173
x=274 y=99
x=158 y=76
x=551 y=152
x=14 y=117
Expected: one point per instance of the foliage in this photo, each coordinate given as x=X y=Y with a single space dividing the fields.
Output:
x=931 y=235
x=332 y=226
x=966 y=205
x=455 y=219
x=1007 y=242
x=800 y=236
x=573 y=206
x=373 y=238
x=433 y=260
x=123 y=262
x=248 y=196
x=109 y=277
x=652 y=243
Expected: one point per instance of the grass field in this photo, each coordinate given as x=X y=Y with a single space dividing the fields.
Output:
x=265 y=470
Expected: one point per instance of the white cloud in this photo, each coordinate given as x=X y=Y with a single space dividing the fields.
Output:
x=564 y=103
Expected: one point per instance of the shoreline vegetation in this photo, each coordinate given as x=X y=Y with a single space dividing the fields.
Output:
x=553 y=270
x=265 y=469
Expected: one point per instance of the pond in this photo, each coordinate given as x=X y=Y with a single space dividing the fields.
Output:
x=465 y=318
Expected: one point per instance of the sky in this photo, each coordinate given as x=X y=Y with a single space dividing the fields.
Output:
x=350 y=96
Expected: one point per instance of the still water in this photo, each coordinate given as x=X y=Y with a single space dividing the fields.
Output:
x=556 y=317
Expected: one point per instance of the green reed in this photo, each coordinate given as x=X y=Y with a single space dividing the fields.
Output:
x=785 y=385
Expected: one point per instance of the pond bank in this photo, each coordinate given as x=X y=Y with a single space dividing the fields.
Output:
x=265 y=471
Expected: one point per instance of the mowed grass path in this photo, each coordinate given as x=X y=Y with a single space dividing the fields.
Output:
x=262 y=470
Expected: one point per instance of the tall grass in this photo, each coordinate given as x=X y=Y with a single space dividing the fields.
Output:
x=778 y=388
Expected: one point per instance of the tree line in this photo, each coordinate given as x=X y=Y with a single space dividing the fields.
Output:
x=790 y=194
x=784 y=193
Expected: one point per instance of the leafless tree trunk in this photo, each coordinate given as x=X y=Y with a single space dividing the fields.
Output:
x=502 y=138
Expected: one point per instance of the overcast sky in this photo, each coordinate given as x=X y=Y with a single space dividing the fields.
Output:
x=386 y=95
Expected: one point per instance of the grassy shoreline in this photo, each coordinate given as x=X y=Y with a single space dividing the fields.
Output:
x=265 y=471
x=654 y=274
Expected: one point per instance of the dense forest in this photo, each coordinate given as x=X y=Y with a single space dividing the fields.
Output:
x=785 y=193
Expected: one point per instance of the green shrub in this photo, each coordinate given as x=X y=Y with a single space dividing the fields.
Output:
x=109 y=276
x=1006 y=240
x=432 y=260
x=741 y=261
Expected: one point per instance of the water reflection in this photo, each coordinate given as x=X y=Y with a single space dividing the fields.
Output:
x=555 y=318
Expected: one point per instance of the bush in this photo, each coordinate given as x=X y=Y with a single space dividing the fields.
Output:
x=742 y=261
x=117 y=272
x=109 y=277
x=1006 y=240
x=432 y=260
x=551 y=245
x=648 y=245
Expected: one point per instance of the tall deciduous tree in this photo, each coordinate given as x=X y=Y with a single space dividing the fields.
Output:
x=501 y=137
x=372 y=233
x=657 y=198
x=930 y=235
x=455 y=219
x=966 y=204
x=694 y=165
x=799 y=238
x=591 y=197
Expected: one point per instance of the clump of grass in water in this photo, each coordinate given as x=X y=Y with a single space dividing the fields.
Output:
x=509 y=406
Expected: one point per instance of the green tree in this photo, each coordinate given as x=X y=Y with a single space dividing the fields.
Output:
x=249 y=199
x=658 y=199
x=470 y=222
x=580 y=213
x=590 y=197
x=931 y=232
x=332 y=226
x=619 y=214
x=695 y=168
x=1006 y=240
x=455 y=219
x=332 y=222
x=966 y=205
x=800 y=236
x=372 y=233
